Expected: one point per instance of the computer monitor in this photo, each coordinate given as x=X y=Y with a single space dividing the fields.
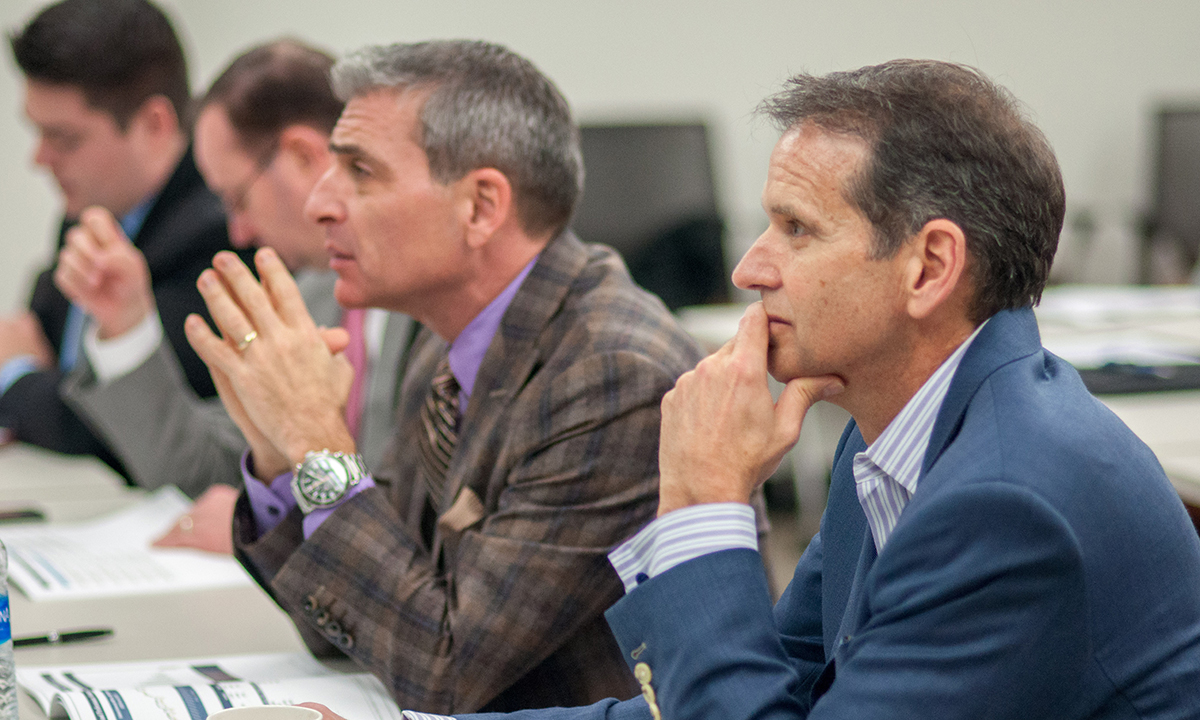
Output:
x=650 y=194
x=1172 y=244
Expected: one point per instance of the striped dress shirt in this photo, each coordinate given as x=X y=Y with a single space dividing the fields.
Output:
x=886 y=473
x=690 y=532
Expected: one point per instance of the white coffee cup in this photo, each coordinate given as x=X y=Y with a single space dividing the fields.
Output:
x=267 y=712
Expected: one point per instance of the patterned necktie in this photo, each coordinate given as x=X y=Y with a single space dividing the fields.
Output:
x=439 y=418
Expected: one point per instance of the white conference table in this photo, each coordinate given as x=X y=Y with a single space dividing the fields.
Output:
x=1076 y=322
x=227 y=621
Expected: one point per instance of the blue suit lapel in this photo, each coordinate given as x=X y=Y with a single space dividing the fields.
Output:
x=843 y=531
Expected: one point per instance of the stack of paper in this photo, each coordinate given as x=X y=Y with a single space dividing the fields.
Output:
x=112 y=556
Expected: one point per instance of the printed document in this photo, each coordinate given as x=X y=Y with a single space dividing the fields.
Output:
x=193 y=689
x=111 y=556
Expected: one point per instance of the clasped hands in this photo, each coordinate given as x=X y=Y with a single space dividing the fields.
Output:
x=283 y=380
x=722 y=432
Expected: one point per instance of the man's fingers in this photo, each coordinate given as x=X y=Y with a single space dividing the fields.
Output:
x=281 y=287
x=752 y=336
x=229 y=315
x=336 y=339
x=81 y=241
x=326 y=713
x=103 y=227
x=246 y=292
x=73 y=274
x=217 y=354
x=795 y=400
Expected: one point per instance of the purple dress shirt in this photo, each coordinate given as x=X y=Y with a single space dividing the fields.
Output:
x=270 y=503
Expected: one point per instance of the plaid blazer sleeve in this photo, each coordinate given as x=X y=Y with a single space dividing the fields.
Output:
x=558 y=457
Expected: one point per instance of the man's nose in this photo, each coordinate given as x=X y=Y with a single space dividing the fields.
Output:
x=757 y=269
x=322 y=205
x=43 y=156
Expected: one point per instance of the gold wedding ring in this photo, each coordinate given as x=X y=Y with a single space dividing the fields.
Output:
x=245 y=342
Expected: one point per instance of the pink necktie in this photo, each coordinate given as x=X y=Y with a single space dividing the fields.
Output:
x=356 y=353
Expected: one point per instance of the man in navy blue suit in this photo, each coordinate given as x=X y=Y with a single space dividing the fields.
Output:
x=997 y=544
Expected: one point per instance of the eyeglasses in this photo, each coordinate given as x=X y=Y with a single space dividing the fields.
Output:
x=235 y=202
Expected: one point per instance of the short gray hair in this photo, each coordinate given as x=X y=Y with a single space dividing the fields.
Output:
x=487 y=107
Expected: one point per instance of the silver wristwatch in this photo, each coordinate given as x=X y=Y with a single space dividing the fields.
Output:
x=323 y=478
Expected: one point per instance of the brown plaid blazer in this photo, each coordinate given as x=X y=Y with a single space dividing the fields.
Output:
x=557 y=462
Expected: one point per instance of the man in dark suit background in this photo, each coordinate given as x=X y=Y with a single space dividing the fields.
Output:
x=106 y=88
x=468 y=570
x=997 y=544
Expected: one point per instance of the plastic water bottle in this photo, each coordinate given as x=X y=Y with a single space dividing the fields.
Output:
x=8 y=671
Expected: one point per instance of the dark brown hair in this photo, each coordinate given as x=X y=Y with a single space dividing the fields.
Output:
x=119 y=53
x=946 y=142
x=272 y=86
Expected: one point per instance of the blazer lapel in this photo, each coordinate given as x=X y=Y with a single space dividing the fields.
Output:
x=513 y=355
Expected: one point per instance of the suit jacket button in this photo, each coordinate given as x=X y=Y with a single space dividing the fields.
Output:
x=333 y=629
x=310 y=604
x=641 y=671
x=345 y=641
x=321 y=618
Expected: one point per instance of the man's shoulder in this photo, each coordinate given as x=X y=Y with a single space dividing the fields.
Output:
x=186 y=222
x=1033 y=425
x=604 y=312
x=1035 y=411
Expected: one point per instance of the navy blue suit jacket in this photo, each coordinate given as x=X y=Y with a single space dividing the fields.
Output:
x=1044 y=568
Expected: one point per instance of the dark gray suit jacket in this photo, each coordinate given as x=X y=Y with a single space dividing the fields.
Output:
x=165 y=434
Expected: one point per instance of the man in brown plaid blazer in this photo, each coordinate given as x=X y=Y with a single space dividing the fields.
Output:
x=478 y=583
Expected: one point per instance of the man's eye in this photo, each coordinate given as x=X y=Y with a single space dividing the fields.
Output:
x=359 y=170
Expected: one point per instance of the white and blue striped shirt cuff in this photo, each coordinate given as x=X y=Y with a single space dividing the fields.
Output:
x=684 y=535
x=413 y=715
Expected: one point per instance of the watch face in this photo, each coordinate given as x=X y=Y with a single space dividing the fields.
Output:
x=324 y=477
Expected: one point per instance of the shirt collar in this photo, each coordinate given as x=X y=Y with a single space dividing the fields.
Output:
x=900 y=448
x=132 y=222
x=467 y=350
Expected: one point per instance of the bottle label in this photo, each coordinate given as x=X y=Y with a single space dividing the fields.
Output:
x=5 y=626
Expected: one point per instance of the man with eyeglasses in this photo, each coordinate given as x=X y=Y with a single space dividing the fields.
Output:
x=107 y=91
x=262 y=136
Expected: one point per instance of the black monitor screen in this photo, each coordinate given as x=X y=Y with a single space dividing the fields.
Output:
x=641 y=179
x=1177 y=212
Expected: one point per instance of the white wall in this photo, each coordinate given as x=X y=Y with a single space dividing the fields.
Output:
x=1089 y=70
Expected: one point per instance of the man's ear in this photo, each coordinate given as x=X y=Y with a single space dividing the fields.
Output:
x=486 y=199
x=155 y=117
x=307 y=149
x=936 y=266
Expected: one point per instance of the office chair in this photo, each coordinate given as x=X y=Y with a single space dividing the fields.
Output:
x=650 y=194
